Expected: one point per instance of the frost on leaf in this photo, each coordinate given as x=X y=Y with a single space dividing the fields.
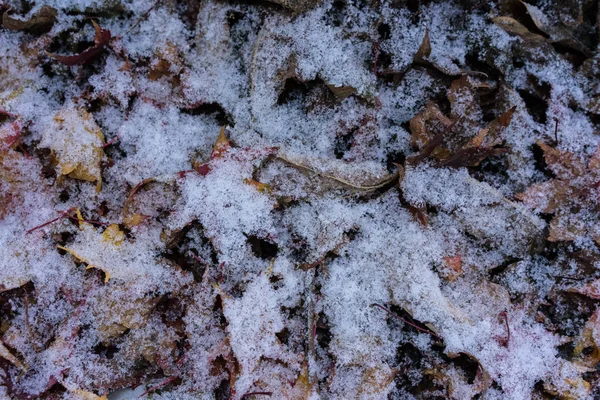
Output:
x=571 y=197
x=77 y=143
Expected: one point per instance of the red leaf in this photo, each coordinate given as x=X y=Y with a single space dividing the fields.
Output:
x=101 y=39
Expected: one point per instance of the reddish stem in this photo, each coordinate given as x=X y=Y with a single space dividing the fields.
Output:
x=507 y=340
x=164 y=383
x=195 y=257
x=66 y=214
x=89 y=221
x=257 y=394
x=63 y=214
x=393 y=314
x=111 y=141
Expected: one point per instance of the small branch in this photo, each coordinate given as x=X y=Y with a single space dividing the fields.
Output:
x=164 y=383
x=144 y=16
x=63 y=214
x=507 y=340
x=350 y=185
x=393 y=314
x=256 y=394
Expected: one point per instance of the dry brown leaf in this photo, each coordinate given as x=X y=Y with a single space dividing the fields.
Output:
x=341 y=92
x=8 y=356
x=564 y=164
x=101 y=39
x=590 y=337
x=514 y=27
x=548 y=196
x=424 y=50
x=490 y=136
x=422 y=124
x=40 y=22
x=566 y=227
x=453 y=267
x=591 y=290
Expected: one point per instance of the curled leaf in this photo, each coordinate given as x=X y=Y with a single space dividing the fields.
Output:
x=221 y=146
x=40 y=22
x=424 y=50
x=514 y=27
x=101 y=39
x=341 y=92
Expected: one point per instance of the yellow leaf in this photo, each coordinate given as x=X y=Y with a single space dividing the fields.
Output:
x=221 y=145
x=261 y=187
x=85 y=261
x=113 y=235
x=85 y=395
x=77 y=143
x=134 y=220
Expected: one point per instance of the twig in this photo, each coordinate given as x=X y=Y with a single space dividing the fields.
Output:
x=507 y=340
x=351 y=185
x=111 y=141
x=256 y=394
x=62 y=215
x=393 y=314
x=556 y=131
x=163 y=383
x=143 y=17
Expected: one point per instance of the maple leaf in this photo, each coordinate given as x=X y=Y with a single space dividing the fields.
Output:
x=571 y=196
x=431 y=134
x=101 y=38
x=77 y=143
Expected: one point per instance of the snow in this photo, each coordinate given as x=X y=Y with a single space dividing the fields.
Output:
x=288 y=258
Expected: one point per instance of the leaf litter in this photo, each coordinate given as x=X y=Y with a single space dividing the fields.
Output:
x=299 y=200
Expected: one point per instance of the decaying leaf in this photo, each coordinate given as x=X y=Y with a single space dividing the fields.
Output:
x=8 y=356
x=514 y=27
x=440 y=137
x=557 y=32
x=424 y=50
x=101 y=38
x=77 y=143
x=40 y=22
x=570 y=196
x=590 y=337
x=453 y=267
x=341 y=92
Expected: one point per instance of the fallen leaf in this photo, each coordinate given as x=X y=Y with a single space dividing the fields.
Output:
x=101 y=39
x=40 y=22
x=564 y=164
x=547 y=197
x=514 y=27
x=77 y=142
x=341 y=92
x=556 y=31
x=424 y=50
x=590 y=337
x=8 y=356
x=453 y=267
